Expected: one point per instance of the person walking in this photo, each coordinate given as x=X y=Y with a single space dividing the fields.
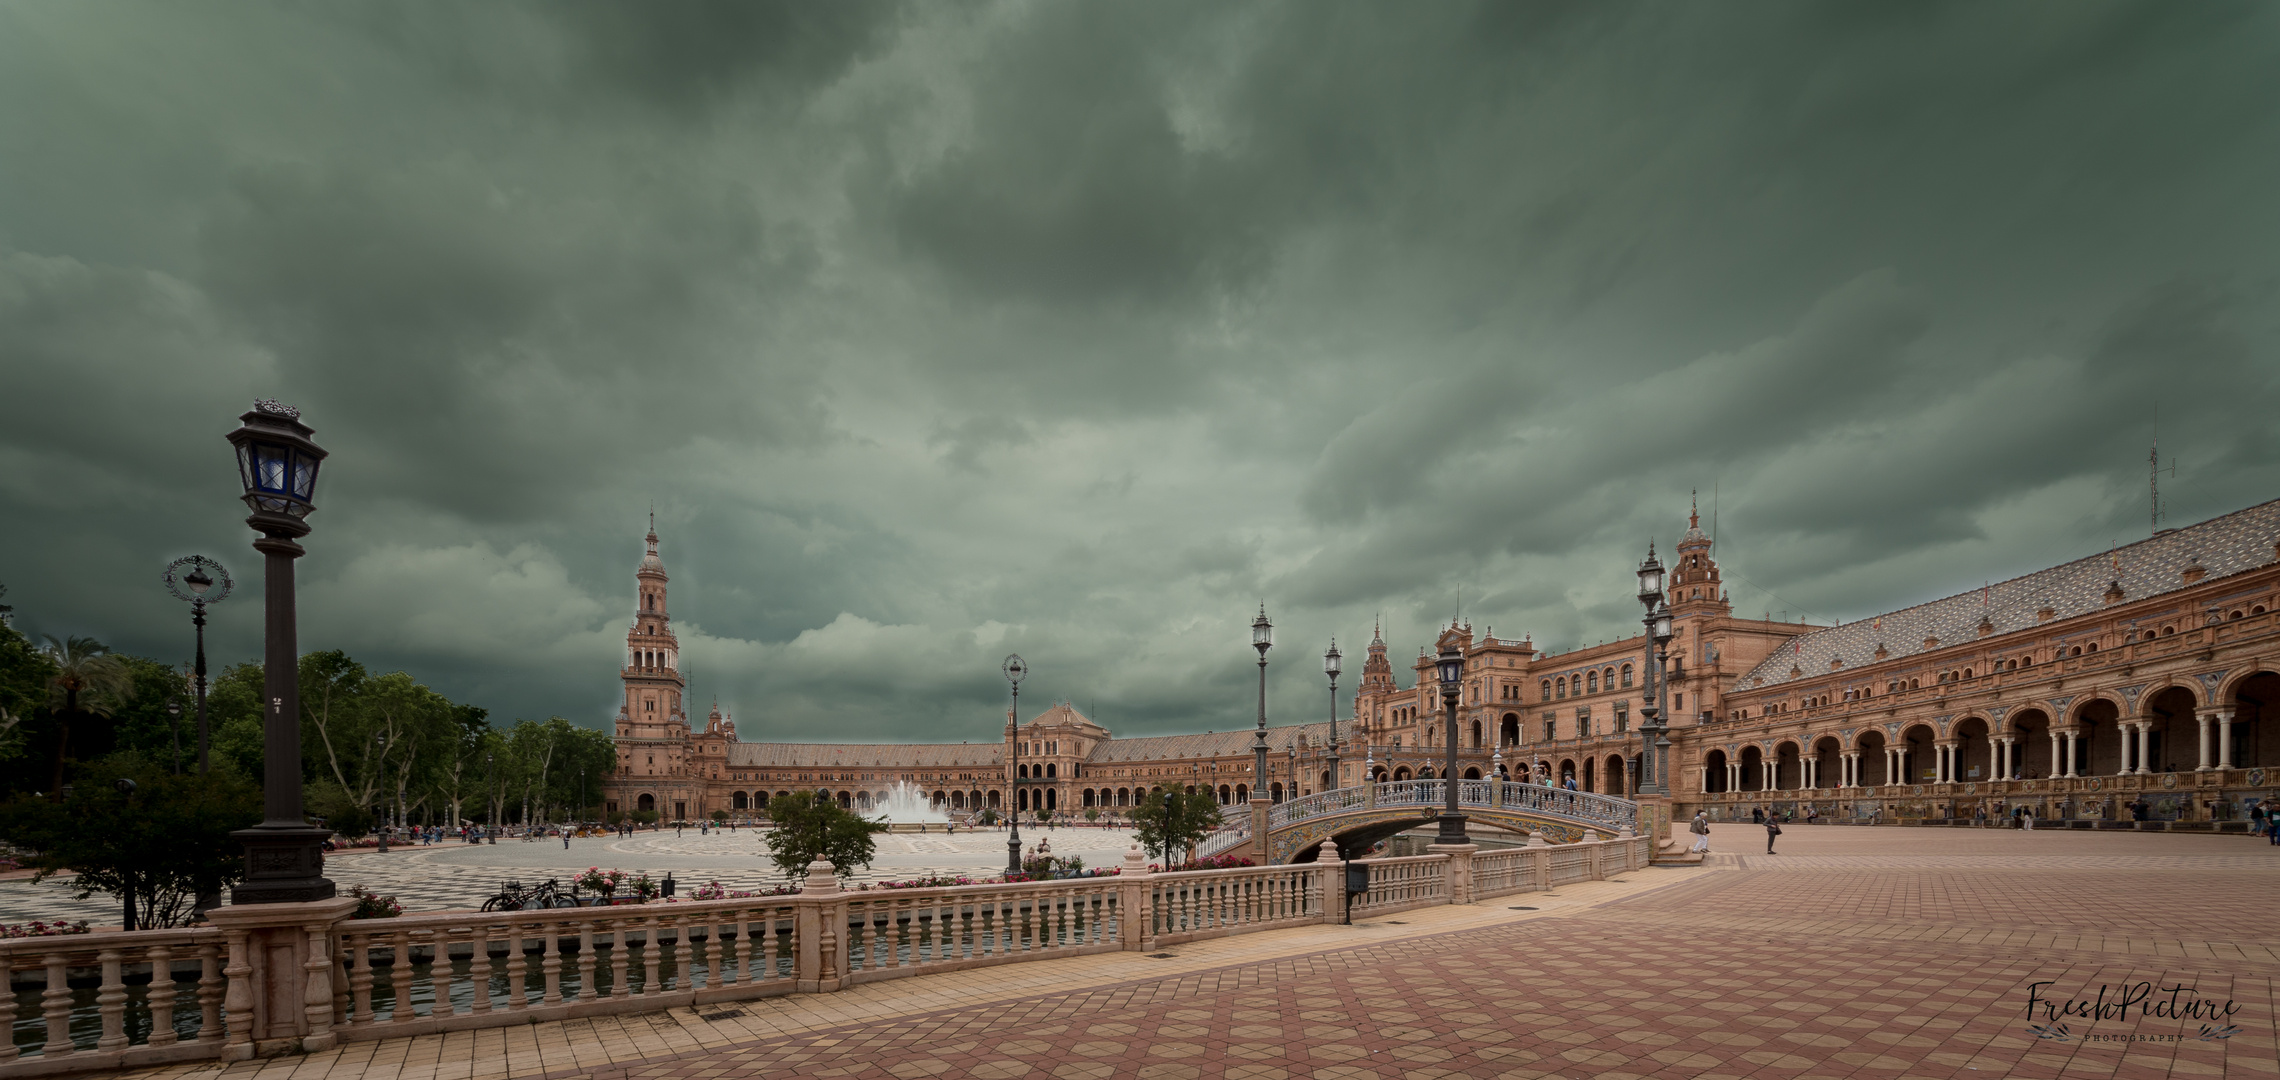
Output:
x=1979 y=816
x=1701 y=831
x=2027 y=818
x=1772 y=829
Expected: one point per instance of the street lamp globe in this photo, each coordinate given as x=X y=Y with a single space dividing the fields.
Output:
x=1452 y=664
x=1331 y=661
x=1262 y=632
x=1662 y=624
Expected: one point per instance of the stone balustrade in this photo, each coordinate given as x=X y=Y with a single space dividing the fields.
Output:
x=283 y=978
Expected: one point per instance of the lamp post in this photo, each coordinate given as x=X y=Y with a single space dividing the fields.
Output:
x=1651 y=598
x=1017 y=669
x=1330 y=666
x=1262 y=639
x=1452 y=672
x=1661 y=737
x=491 y=831
x=199 y=583
x=174 y=728
x=380 y=740
x=277 y=466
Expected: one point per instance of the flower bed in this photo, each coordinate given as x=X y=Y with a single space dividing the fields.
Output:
x=1218 y=862
x=372 y=905
x=41 y=929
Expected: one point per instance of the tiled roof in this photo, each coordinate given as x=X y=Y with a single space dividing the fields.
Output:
x=1210 y=744
x=2239 y=541
x=776 y=755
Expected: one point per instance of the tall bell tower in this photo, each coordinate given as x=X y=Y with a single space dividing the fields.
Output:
x=652 y=673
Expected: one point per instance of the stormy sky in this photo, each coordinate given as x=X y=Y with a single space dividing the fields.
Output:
x=938 y=332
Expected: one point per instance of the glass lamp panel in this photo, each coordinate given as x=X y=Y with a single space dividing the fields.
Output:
x=305 y=478
x=245 y=466
x=1330 y=661
x=269 y=468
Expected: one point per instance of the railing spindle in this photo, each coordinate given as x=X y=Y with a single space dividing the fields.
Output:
x=56 y=1006
x=160 y=997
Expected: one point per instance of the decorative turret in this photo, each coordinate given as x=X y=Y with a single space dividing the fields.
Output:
x=1694 y=586
x=1377 y=671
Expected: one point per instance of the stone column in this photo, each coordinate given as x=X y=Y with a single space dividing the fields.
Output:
x=2069 y=753
x=2224 y=738
x=2204 y=716
x=2010 y=760
x=2122 y=729
x=2145 y=745
x=1769 y=778
x=2055 y=768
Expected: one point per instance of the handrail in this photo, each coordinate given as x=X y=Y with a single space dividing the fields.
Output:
x=1583 y=807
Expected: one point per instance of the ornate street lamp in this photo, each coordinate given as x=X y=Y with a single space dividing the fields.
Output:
x=1452 y=672
x=1017 y=669
x=1330 y=665
x=197 y=585
x=380 y=739
x=1262 y=639
x=1650 y=598
x=1661 y=631
x=491 y=833
x=277 y=467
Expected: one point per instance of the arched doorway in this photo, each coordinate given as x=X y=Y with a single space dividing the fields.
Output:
x=1828 y=762
x=2255 y=742
x=1586 y=782
x=1753 y=769
x=1974 y=751
x=1472 y=774
x=736 y=801
x=1508 y=731
x=2173 y=738
x=1788 y=767
x=2031 y=755
x=1401 y=774
x=1618 y=778
x=1916 y=755
x=646 y=802
x=1714 y=772
x=2098 y=744
x=1873 y=760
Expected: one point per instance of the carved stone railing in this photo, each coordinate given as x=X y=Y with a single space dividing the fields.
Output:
x=282 y=978
x=1605 y=812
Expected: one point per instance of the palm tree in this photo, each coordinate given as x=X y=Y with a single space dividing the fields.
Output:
x=88 y=680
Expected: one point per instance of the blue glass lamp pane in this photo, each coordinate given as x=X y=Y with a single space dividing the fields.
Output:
x=304 y=478
x=269 y=468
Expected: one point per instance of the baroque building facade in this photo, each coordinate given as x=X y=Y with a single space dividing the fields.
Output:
x=2134 y=681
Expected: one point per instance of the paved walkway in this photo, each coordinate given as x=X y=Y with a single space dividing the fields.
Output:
x=1854 y=953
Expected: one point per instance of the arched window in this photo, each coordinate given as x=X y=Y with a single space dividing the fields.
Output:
x=1592 y=680
x=1559 y=687
x=2092 y=647
x=1547 y=690
x=1626 y=676
x=1050 y=770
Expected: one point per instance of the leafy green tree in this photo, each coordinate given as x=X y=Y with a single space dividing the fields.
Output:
x=88 y=682
x=149 y=847
x=811 y=827
x=1191 y=817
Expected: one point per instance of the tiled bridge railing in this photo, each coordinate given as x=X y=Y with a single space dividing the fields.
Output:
x=279 y=978
x=1578 y=807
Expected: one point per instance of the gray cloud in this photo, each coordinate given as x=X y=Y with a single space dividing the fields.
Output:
x=934 y=333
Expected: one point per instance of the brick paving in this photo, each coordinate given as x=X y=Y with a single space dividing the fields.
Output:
x=1863 y=956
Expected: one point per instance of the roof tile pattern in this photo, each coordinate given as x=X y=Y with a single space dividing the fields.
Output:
x=2240 y=541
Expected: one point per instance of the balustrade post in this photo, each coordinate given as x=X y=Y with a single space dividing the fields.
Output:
x=1330 y=877
x=822 y=922
x=1133 y=889
x=1540 y=859
x=111 y=1002
x=285 y=949
x=55 y=1005
x=161 y=996
x=1457 y=870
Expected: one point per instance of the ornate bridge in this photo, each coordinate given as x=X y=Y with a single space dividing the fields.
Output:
x=1360 y=816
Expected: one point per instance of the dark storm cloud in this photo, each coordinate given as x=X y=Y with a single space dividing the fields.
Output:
x=934 y=333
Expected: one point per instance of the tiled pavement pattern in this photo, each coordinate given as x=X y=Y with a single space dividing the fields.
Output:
x=1833 y=965
x=456 y=875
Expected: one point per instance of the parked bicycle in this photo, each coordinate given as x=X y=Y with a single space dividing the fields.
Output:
x=514 y=897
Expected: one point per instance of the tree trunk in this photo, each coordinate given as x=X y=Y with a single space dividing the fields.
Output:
x=62 y=739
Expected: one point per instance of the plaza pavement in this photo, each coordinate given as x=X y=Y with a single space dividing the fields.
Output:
x=1857 y=952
